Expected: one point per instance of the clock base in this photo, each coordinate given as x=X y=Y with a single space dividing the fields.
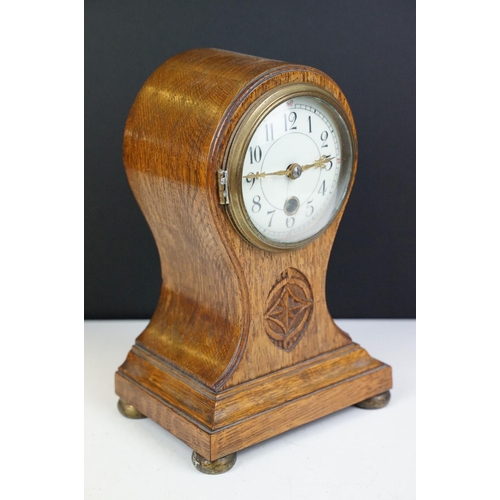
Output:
x=213 y=467
x=216 y=424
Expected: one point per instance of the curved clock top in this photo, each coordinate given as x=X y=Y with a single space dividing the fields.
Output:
x=229 y=110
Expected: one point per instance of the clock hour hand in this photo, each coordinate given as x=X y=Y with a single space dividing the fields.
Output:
x=261 y=175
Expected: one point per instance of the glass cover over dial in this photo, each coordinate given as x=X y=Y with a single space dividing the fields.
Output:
x=296 y=170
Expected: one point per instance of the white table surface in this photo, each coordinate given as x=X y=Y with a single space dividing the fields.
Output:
x=352 y=454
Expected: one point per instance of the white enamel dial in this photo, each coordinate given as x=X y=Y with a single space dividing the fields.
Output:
x=291 y=170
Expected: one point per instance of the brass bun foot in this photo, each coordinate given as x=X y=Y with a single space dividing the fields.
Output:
x=218 y=466
x=129 y=411
x=375 y=402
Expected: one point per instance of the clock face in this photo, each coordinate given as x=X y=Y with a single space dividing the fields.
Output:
x=291 y=170
x=295 y=171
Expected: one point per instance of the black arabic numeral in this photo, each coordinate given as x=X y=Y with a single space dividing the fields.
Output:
x=324 y=138
x=329 y=167
x=272 y=215
x=322 y=189
x=310 y=208
x=292 y=117
x=269 y=132
x=256 y=203
x=255 y=154
x=251 y=180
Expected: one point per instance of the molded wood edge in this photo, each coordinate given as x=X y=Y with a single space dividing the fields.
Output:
x=213 y=444
x=216 y=410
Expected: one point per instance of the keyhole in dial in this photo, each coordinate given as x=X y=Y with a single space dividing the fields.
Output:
x=292 y=204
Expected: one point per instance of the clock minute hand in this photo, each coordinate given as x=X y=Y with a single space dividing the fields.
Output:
x=321 y=163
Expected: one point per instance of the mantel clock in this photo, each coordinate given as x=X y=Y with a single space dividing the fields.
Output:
x=242 y=167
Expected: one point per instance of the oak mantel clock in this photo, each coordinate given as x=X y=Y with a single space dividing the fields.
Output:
x=242 y=167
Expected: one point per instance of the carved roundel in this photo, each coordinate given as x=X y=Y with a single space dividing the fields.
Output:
x=288 y=310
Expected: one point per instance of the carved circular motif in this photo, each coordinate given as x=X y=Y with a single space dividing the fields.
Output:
x=288 y=309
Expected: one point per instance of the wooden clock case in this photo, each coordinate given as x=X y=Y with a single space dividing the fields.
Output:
x=241 y=346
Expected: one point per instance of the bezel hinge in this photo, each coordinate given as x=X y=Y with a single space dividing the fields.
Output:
x=223 y=192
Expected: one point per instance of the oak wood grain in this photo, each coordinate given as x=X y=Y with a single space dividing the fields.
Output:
x=255 y=411
x=205 y=361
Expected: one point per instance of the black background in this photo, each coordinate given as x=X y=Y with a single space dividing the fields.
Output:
x=366 y=46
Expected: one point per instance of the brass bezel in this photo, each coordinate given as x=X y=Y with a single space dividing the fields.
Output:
x=238 y=146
